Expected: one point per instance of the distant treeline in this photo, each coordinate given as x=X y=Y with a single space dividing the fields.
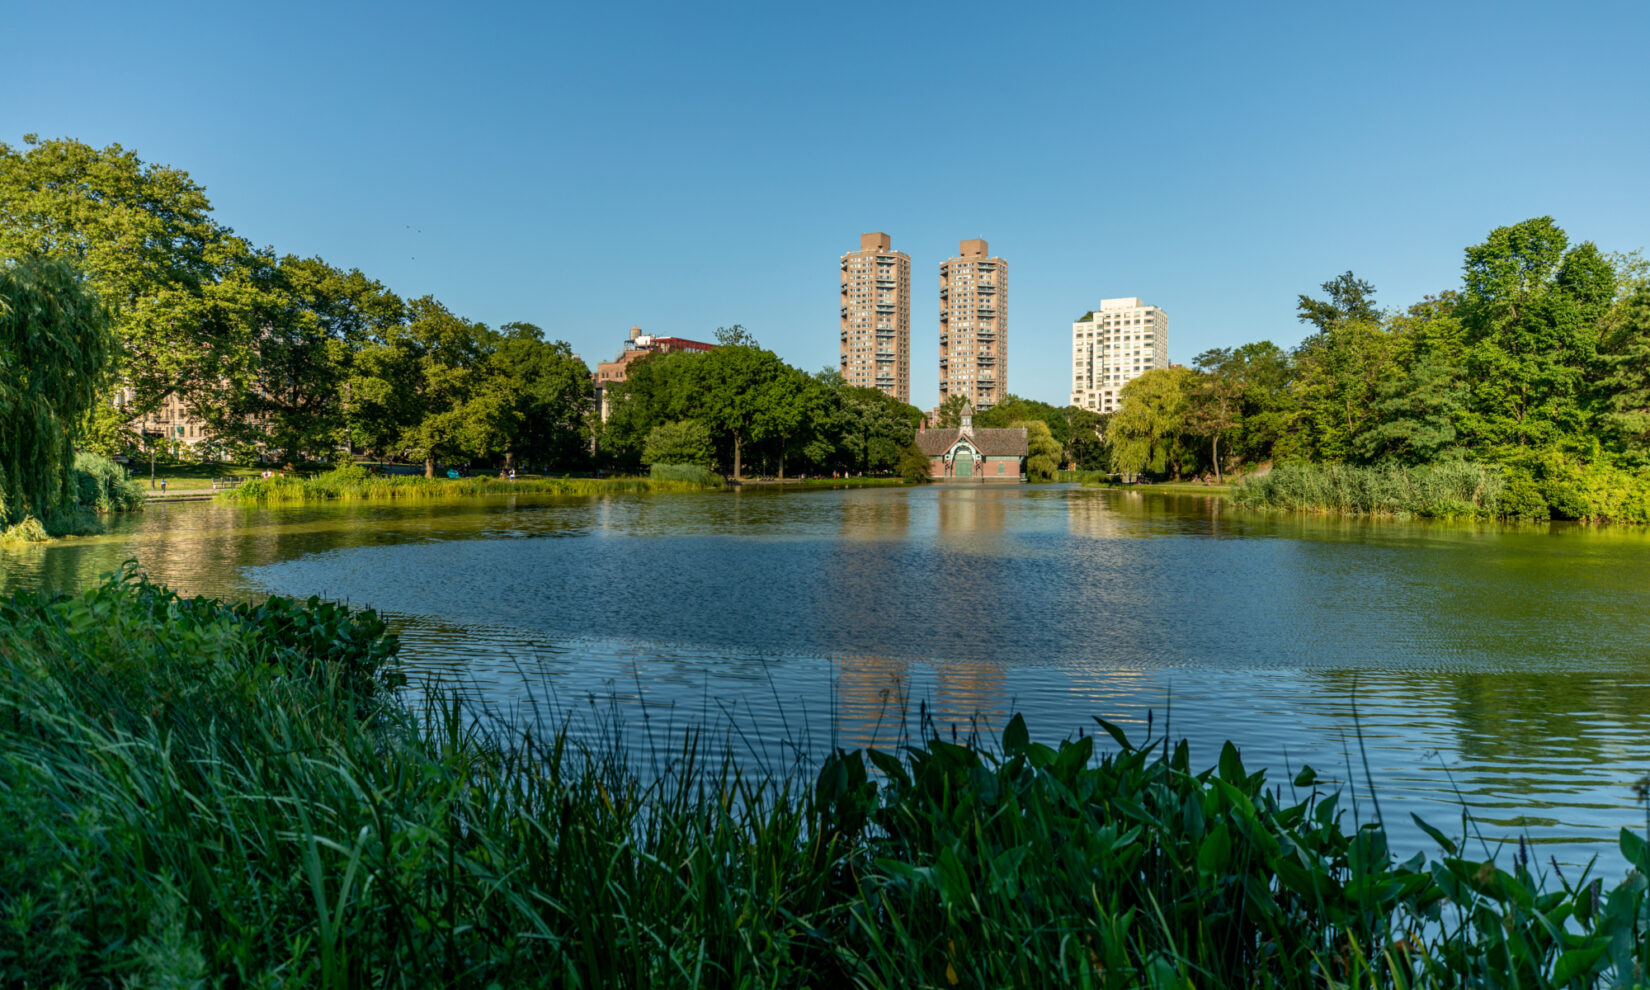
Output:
x=1537 y=366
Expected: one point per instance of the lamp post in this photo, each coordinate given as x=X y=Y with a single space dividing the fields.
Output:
x=150 y=436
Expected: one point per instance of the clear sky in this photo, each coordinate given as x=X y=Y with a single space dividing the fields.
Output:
x=682 y=166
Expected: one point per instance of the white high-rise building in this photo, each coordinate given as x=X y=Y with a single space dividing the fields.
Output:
x=1121 y=340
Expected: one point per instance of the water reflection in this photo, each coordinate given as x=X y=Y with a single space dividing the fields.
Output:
x=1499 y=668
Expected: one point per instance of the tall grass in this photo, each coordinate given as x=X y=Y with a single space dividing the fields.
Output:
x=199 y=793
x=355 y=483
x=1447 y=490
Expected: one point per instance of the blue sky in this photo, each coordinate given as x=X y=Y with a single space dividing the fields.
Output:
x=587 y=167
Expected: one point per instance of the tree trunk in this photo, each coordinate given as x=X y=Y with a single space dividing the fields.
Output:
x=509 y=460
x=1218 y=479
x=781 y=458
x=736 y=475
x=429 y=466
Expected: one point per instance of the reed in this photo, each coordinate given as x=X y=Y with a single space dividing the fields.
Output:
x=196 y=792
x=1451 y=489
x=355 y=483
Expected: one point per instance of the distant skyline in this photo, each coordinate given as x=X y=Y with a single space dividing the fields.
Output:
x=592 y=167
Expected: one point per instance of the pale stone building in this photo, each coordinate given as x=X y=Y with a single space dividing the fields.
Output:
x=876 y=317
x=1120 y=341
x=974 y=326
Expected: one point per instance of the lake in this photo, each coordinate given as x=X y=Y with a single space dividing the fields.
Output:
x=1497 y=669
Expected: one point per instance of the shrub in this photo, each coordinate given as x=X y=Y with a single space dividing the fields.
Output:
x=685 y=441
x=102 y=485
x=687 y=474
x=915 y=466
x=1451 y=488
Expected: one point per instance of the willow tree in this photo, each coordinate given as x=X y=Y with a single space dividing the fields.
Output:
x=55 y=352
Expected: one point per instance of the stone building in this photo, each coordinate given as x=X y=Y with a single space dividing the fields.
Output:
x=969 y=455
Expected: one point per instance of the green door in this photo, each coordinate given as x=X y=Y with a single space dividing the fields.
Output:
x=965 y=462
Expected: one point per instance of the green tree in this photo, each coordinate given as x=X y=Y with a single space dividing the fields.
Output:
x=463 y=411
x=1531 y=311
x=1086 y=448
x=1042 y=450
x=729 y=390
x=951 y=412
x=55 y=351
x=318 y=319
x=915 y=466
x=185 y=294
x=1626 y=380
x=685 y=441
x=1014 y=408
x=1214 y=401
x=1350 y=300
x=1146 y=429
x=552 y=395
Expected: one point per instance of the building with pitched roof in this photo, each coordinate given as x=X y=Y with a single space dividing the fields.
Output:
x=969 y=455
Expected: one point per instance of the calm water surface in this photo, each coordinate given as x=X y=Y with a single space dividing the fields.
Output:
x=1498 y=669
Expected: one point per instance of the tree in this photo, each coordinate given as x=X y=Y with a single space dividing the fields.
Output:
x=317 y=321
x=185 y=294
x=1145 y=430
x=1626 y=380
x=463 y=411
x=685 y=441
x=728 y=389
x=1042 y=450
x=1531 y=311
x=952 y=410
x=1013 y=408
x=1351 y=299
x=1214 y=401
x=915 y=466
x=552 y=395
x=55 y=353
x=735 y=336
x=1087 y=449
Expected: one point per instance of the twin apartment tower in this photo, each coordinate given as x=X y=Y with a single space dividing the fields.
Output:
x=876 y=321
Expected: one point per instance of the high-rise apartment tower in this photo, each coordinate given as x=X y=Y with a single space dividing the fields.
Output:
x=1121 y=340
x=876 y=317
x=974 y=326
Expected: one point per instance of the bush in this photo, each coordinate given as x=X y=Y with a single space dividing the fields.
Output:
x=685 y=441
x=1450 y=489
x=687 y=474
x=915 y=466
x=102 y=485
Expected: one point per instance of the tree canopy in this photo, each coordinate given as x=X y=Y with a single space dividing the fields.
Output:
x=55 y=352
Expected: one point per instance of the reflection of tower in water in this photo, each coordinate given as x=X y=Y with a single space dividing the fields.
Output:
x=872 y=701
x=969 y=511
x=880 y=699
x=876 y=518
x=1094 y=515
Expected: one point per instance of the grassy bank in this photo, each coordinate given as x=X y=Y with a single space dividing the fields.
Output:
x=358 y=484
x=96 y=486
x=198 y=793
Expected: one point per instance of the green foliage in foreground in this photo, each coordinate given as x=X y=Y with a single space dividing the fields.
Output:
x=356 y=483
x=196 y=793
